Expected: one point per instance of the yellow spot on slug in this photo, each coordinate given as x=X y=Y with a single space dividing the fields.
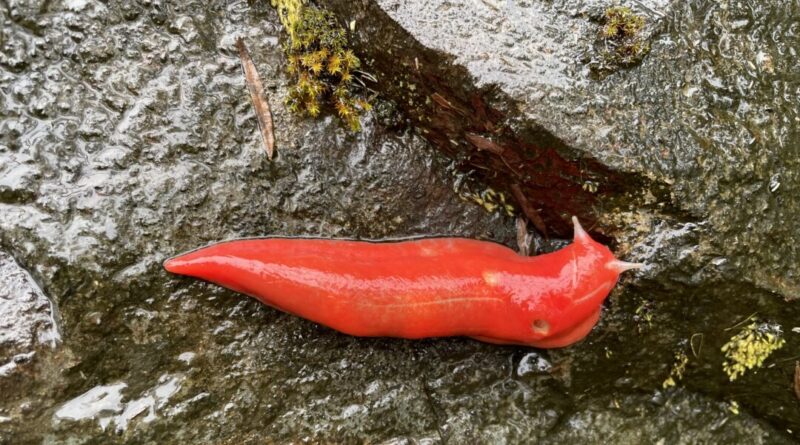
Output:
x=491 y=278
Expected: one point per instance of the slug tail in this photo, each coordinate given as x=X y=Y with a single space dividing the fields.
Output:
x=192 y=264
x=173 y=265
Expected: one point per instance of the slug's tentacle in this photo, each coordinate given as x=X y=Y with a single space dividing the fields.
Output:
x=621 y=266
x=580 y=235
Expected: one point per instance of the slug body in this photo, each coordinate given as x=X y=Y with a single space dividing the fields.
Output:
x=421 y=288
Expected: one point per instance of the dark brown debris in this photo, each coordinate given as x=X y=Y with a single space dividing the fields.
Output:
x=482 y=143
x=444 y=103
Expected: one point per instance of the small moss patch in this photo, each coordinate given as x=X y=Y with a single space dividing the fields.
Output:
x=324 y=70
x=621 y=24
x=490 y=200
x=677 y=371
x=621 y=42
x=750 y=347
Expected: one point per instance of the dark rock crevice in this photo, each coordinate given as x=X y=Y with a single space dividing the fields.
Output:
x=469 y=124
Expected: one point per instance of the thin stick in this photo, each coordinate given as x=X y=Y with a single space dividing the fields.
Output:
x=528 y=209
x=482 y=143
x=260 y=104
x=797 y=380
x=742 y=322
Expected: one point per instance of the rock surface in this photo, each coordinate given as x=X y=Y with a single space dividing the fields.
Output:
x=28 y=316
x=126 y=136
x=710 y=111
x=709 y=117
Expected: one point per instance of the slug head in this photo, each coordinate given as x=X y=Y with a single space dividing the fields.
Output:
x=587 y=277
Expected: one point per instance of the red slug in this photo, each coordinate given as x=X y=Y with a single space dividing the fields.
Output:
x=420 y=288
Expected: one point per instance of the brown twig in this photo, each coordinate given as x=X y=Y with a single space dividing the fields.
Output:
x=797 y=380
x=743 y=321
x=482 y=143
x=444 y=103
x=528 y=209
x=263 y=113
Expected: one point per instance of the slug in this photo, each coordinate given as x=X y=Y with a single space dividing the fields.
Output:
x=420 y=288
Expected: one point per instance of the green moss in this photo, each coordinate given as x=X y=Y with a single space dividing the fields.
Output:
x=323 y=68
x=677 y=371
x=489 y=200
x=621 y=41
x=289 y=13
x=749 y=348
x=621 y=23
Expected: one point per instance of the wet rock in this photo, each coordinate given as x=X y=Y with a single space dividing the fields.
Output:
x=700 y=113
x=477 y=124
x=27 y=316
x=150 y=148
x=692 y=419
x=704 y=116
x=128 y=136
x=18 y=179
x=29 y=339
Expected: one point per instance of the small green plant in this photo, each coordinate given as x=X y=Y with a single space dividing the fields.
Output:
x=750 y=347
x=489 y=200
x=677 y=371
x=621 y=23
x=621 y=42
x=325 y=71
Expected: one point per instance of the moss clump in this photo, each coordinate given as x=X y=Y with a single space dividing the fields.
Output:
x=749 y=348
x=289 y=13
x=489 y=200
x=621 y=23
x=677 y=371
x=324 y=69
x=621 y=41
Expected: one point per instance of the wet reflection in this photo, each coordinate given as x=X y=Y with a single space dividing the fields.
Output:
x=106 y=404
